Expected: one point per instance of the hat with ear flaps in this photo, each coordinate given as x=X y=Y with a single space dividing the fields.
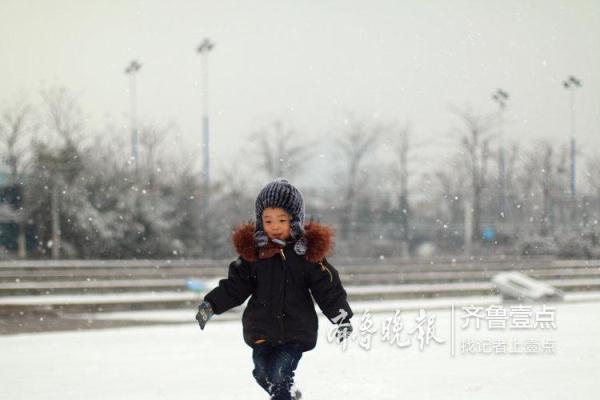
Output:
x=281 y=194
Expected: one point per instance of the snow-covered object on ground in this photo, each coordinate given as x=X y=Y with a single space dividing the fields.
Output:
x=171 y=362
x=515 y=285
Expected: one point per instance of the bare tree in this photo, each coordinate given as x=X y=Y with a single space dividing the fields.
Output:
x=65 y=119
x=593 y=176
x=540 y=186
x=64 y=115
x=543 y=168
x=401 y=150
x=281 y=153
x=355 y=145
x=151 y=140
x=547 y=172
x=16 y=124
x=475 y=141
x=451 y=180
x=512 y=158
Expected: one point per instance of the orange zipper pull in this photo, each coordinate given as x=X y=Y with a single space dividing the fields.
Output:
x=282 y=254
x=324 y=268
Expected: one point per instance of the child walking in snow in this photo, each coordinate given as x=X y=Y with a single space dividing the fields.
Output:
x=281 y=263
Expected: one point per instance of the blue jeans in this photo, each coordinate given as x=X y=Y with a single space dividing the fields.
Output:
x=274 y=368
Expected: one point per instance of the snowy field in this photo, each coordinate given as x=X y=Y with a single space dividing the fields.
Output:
x=183 y=362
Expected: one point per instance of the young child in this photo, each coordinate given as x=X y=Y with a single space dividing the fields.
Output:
x=281 y=263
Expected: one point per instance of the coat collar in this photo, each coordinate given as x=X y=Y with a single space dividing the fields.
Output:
x=318 y=239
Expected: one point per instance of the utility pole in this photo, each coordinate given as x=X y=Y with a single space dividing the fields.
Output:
x=500 y=97
x=132 y=70
x=204 y=48
x=572 y=83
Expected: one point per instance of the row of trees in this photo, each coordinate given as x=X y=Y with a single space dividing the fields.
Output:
x=77 y=193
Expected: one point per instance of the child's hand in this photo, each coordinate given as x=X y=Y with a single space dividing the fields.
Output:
x=344 y=330
x=205 y=312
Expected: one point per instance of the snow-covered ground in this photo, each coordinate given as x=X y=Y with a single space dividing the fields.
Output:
x=178 y=315
x=183 y=362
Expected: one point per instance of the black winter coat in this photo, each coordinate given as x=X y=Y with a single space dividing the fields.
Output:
x=280 y=283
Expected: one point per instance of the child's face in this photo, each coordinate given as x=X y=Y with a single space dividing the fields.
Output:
x=276 y=223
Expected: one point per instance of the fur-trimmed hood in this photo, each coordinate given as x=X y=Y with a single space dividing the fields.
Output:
x=315 y=244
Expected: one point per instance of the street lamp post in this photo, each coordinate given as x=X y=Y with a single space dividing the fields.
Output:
x=132 y=70
x=204 y=48
x=572 y=83
x=501 y=97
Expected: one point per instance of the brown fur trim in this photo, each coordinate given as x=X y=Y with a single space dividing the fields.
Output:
x=319 y=241
x=243 y=241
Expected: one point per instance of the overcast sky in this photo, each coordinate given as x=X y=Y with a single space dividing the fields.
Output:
x=313 y=62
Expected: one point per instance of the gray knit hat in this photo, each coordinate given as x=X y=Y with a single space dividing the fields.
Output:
x=280 y=194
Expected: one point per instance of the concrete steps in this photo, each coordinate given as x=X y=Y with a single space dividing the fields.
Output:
x=123 y=280
x=116 y=285
x=13 y=305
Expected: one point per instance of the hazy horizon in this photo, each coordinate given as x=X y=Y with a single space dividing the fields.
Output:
x=313 y=64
